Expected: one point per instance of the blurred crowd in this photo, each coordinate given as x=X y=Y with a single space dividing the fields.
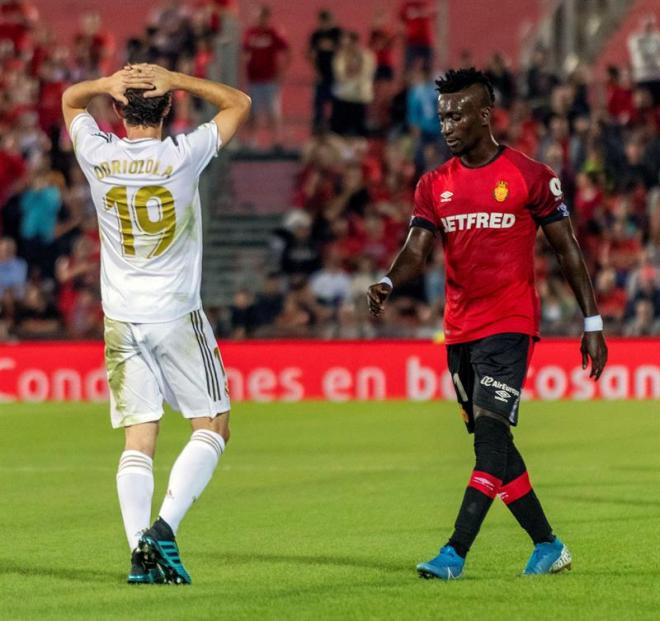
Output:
x=374 y=131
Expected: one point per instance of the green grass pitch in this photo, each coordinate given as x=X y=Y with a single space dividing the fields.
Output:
x=321 y=511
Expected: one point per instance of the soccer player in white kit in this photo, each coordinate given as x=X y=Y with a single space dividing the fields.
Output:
x=158 y=342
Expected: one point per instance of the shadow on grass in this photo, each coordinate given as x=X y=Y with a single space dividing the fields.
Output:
x=77 y=575
x=320 y=560
x=608 y=500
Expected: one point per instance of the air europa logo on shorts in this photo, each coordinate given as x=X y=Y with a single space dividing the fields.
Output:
x=478 y=220
x=505 y=391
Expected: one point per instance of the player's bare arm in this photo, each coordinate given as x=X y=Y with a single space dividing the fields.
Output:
x=76 y=98
x=562 y=239
x=233 y=105
x=409 y=264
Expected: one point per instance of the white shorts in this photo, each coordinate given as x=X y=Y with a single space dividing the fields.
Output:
x=176 y=361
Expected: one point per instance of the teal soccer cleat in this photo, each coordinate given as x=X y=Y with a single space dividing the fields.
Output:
x=142 y=572
x=548 y=558
x=159 y=547
x=448 y=565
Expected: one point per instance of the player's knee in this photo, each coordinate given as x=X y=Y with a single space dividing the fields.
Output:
x=142 y=438
x=226 y=434
x=221 y=426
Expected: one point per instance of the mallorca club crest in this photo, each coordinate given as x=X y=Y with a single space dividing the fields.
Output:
x=501 y=191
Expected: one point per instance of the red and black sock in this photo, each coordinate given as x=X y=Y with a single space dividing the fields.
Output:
x=518 y=494
x=491 y=443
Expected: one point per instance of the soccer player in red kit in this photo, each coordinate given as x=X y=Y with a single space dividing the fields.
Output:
x=486 y=204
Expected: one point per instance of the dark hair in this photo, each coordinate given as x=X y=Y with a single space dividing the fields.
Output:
x=146 y=111
x=456 y=80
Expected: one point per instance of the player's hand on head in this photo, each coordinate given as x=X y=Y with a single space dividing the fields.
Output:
x=593 y=347
x=377 y=295
x=124 y=79
x=161 y=79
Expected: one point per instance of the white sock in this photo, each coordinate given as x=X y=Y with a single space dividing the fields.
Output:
x=135 y=488
x=190 y=474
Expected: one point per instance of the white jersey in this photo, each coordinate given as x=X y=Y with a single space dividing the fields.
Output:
x=150 y=218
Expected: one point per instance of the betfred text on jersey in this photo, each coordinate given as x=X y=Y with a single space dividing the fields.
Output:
x=478 y=220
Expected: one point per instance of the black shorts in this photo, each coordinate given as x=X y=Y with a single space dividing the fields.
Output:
x=490 y=374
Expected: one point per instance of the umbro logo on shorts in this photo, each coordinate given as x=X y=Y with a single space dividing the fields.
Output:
x=503 y=391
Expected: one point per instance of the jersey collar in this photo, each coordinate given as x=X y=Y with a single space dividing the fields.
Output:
x=134 y=140
x=500 y=150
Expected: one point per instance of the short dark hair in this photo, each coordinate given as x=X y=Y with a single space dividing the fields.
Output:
x=145 y=111
x=456 y=80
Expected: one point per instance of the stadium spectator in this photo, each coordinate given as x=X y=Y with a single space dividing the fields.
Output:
x=267 y=56
x=503 y=81
x=644 y=284
x=382 y=42
x=299 y=252
x=36 y=317
x=270 y=300
x=93 y=46
x=12 y=168
x=642 y=323
x=422 y=108
x=40 y=205
x=619 y=96
x=611 y=298
x=644 y=48
x=13 y=270
x=354 y=67
x=242 y=312
x=323 y=44
x=416 y=18
x=301 y=312
x=331 y=284
x=74 y=274
x=539 y=83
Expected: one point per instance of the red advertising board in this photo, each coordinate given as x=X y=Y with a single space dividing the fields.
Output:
x=336 y=371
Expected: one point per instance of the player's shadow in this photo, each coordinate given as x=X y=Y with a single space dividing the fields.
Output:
x=78 y=575
x=313 y=561
x=609 y=500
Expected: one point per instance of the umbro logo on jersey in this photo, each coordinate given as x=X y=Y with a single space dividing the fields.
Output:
x=502 y=395
x=446 y=196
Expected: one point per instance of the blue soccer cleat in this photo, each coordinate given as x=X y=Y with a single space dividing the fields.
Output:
x=142 y=572
x=448 y=565
x=159 y=547
x=548 y=558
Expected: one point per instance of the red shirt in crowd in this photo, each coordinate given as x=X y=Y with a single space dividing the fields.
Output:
x=487 y=218
x=620 y=103
x=12 y=168
x=416 y=16
x=264 y=46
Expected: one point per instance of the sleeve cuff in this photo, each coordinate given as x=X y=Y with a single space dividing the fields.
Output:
x=423 y=223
